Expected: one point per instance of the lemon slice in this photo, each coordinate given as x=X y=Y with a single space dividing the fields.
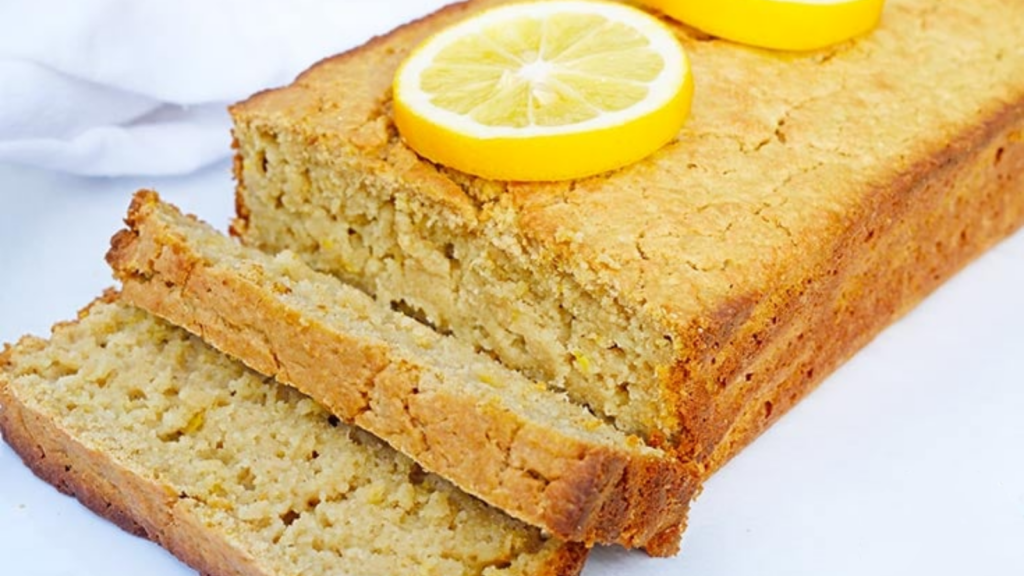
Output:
x=544 y=91
x=777 y=24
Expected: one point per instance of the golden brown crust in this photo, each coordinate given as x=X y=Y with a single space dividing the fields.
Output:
x=579 y=489
x=568 y=561
x=948 y=210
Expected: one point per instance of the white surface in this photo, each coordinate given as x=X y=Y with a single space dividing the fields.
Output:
x=908 y=460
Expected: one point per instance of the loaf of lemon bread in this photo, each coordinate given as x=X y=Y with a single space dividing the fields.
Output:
x=234 y=473
x=514 y=443
x=695 y=296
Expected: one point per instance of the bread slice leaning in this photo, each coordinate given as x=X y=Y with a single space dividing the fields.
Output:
x=512 y=442
x=233 y=473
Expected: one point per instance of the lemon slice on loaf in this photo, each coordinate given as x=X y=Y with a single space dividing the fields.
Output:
x=544 y=91
x=778 y=24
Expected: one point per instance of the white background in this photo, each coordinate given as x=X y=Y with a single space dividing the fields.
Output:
x=909 y=460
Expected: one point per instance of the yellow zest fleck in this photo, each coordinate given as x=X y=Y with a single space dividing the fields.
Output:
x=195 y=423
x=582 y=362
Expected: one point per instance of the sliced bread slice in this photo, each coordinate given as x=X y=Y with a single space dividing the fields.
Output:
x=233 y=473
x=512 y=442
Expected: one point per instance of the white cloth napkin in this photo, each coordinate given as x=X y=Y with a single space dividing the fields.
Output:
x=119 y=87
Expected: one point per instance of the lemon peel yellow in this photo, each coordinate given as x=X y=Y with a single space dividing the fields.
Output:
x=796 y=25
x=544 y=91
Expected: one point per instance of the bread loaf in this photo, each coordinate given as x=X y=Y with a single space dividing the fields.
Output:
x=695 y=296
